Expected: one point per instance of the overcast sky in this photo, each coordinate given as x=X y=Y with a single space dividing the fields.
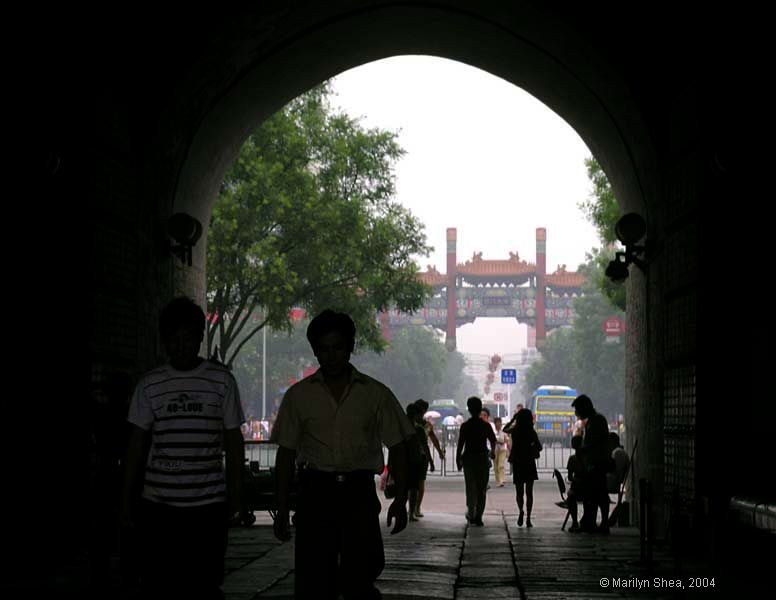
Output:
x=483 y=156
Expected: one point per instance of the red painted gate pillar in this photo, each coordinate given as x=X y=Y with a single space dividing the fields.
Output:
x=541 y=269
x=385 y=326
x=452 y=296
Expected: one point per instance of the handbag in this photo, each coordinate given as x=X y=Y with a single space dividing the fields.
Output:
x=535 y=450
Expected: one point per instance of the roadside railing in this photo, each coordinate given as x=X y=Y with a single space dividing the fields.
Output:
x=260 y=453
x=552 y=457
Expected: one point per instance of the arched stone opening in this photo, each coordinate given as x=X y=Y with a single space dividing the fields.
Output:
x=560 y=69
x=598 y=107
x=186 y=89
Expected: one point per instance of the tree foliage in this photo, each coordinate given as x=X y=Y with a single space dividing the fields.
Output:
x=600 y=365
x=601 y=207
x=306 y=217
x=556 y=365
x=603 y=211
x=614 y=292
x=456 y=383
x=417 y=365
x=288 y=354
x=579 y=356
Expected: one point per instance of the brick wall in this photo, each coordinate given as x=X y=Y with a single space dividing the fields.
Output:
x=683 y=181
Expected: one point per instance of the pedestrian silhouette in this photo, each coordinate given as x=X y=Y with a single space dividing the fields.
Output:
x=333 y=425
x=430 y=436
x=502 y=452
x=183 y=416
x=525 y=450
x=417 y=459
x=576 y=476
x=472 y=456
x=596 y=459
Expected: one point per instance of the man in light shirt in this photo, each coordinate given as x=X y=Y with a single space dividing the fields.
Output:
x=333 y=425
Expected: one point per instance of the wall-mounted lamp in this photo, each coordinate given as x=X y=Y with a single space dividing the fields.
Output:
x=185 y=230
x=629 y=230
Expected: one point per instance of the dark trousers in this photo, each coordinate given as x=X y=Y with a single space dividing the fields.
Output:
x=476 y=472
x=595 y=497
x=339 y=547
x=182 y=551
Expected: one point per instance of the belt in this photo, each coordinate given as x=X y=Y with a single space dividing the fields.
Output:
x=337 y=476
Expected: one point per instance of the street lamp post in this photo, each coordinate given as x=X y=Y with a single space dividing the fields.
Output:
x=264 y=373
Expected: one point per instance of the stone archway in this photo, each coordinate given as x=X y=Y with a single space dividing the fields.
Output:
x=147 y=111
x=543 y=55
x=244 y=81
x=563 y=72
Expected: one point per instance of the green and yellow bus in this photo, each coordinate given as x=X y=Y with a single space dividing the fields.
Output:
x=553 y=413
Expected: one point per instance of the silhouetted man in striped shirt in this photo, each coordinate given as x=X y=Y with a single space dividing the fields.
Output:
x=183 y=417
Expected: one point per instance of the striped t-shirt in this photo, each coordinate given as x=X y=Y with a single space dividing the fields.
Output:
x=186 y=413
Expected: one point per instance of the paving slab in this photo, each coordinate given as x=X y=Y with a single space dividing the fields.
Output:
x=415 y=590
x=480 y=593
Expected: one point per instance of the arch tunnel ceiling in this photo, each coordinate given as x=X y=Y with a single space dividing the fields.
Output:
x=208 y=84
x=178 y=93
x=600 y=111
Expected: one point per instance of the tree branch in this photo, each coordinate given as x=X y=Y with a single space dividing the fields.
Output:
x=221 y=318
x=211 y=326
x=238 y=313
x=255 y=330
x=336 y=283
x=243 y=321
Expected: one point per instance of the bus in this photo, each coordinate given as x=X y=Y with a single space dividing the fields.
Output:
x=446 y=407
x=553 y=413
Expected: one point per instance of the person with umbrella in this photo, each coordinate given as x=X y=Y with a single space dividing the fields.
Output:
x=451 y=426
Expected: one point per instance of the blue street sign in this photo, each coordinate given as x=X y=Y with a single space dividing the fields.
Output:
x=508 y=375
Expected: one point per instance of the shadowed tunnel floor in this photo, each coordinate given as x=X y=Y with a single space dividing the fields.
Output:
x=440 y=557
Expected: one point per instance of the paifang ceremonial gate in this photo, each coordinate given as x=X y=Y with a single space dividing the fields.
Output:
x=494 y=288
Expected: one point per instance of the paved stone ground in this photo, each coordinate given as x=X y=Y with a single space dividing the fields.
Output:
x=440 y=557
